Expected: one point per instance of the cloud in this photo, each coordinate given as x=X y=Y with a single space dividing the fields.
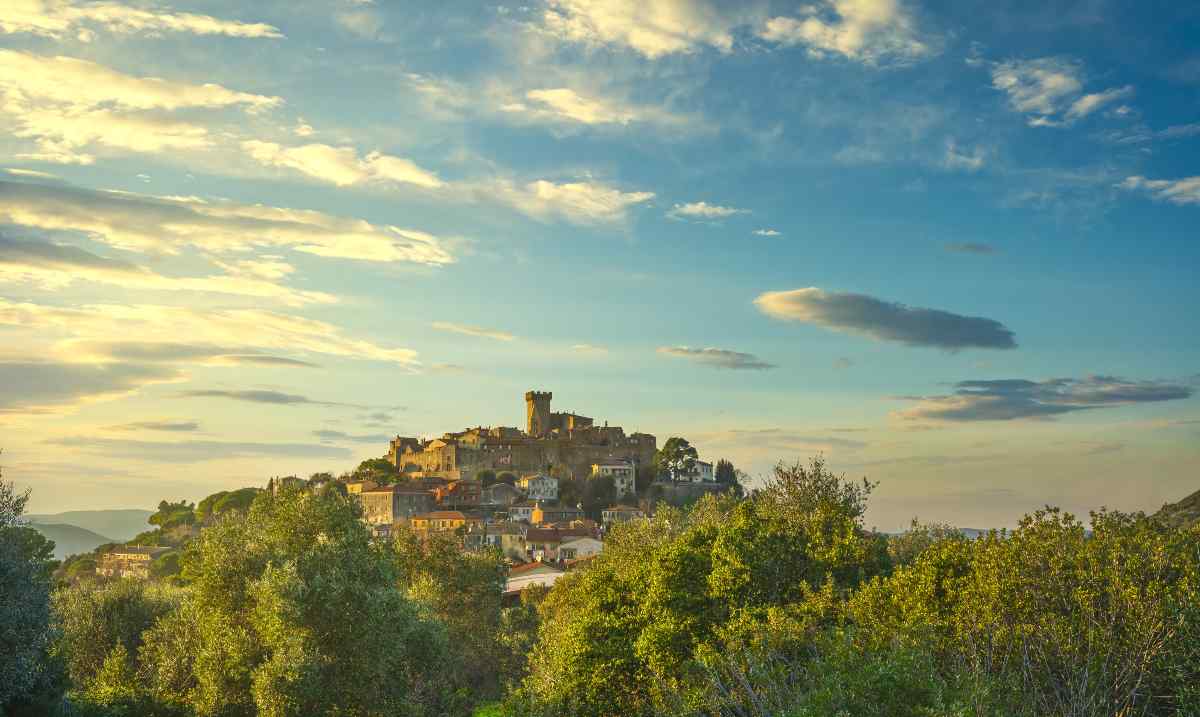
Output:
x=584 y=203
x=239 y=331
x=341 y=165
x=589 y=349
x=718 y=358
x=1176 y=191
x=57 y=18
x=171 y=352
x=767 y=233
x=476 y=331
x=66 y=104
x=1049 y=89
x=885 y=320
x=782 y=437
x=167 y=426
x=653 y=29
x=195 y=451
x=867 y=31
x=565 y=103
x=53 y=266
x=1088 y=104
x=841 y=363
x=340 y=437
x=52 y=386
x=970 y=248
x=275 y=398
x=137 y=222
x=703 y=210
x=1013 y=399
x=968 y=160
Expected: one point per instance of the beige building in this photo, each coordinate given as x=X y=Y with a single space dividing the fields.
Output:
x=394 y=503
x=129 y=561
x=623 y=474
x=539 y=487
x=620 y=514
x=564 y=443
x=579 y=548
x=442 y=520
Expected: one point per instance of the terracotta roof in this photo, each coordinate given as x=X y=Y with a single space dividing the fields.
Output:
x=441 y=515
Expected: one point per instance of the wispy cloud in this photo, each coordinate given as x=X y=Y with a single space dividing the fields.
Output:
x=1050 y=90
x=718 y=358
x=196 y=451
x=969 y=247
x=567 y=104
x=331 y=436
x=1175 y=191
x=168 y=426
x=137 y=222
x=57 y=18
x=172 y=352
x=703 y=211
x=767 y=233
x=589 y=349
x=476 y=331
x=277 y=398
x=584 y=203
x=341 y=166
x=868 y=31
x=1012 y=399
x=885 y=320
x=54 y=386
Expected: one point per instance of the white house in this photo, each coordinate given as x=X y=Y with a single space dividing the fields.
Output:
x=539 y=487
x=623 y=475
x=579 y=548
x=703 y=473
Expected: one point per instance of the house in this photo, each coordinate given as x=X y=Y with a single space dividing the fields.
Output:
x=500 y=494
x=620 y=514
x=523 y=576
x=129 y=561
x=545 y=543
x=623 y=473
x=553 y=514
x=509 y=538
x=393 y=503
x=459 y=494
x=355 y=487
x=702 y=472
x=441 y=520
x=522 y=511
x=539 y=487
x=579 y=548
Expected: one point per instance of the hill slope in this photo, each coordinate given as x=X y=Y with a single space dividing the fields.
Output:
x=70 y=539
x=1183 y=514
x=119 y=525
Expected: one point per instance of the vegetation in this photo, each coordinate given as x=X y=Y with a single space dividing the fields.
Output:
x=677 y=457
x=780 y=603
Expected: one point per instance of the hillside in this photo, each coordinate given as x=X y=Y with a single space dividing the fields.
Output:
x=70 y=539
x=1182 y=514
x=119 y=525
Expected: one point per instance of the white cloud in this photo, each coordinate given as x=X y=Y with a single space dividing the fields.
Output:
x=341 y=165
x=970 y=160
x=1049 y=89
x=868 y=31
x=565 y=103
x=1088 y=104
x=584 y=203
x=589 y=349
x=476 y=331
x=47 y=387
x=653 y=29
x=718 y=358
x=142 y=223
x=703 y=210
x=67 y=104
x=1176 y=191
x=245 y=331
x=56 y=18
x=767 y=233
x=53 y=266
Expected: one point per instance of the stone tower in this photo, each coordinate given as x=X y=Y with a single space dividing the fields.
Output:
x=537 y=412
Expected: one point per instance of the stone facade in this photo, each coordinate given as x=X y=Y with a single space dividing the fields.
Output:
x=563 y=444
x=128 y=561
x=394 y=503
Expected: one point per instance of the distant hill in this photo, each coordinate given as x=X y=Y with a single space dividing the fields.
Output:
x=70 y=539
x=1183 y=514
x=119 y=525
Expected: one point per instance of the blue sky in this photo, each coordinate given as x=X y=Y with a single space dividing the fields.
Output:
x=949 y=245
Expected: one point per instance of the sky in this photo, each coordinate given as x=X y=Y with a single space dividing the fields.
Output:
x=949 y=246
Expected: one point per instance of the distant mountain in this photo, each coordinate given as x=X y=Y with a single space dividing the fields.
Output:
x=1183 y=514
x=70 y=539
x=118 y=524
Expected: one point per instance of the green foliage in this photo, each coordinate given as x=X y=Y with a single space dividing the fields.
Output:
x=724 y=472
x=379 y=470
x=26 y=566
x=905 y=548
x=173 y=515
x=677 y=457
x=486 y=478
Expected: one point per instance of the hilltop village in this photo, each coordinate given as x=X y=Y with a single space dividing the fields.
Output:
x=543 y=496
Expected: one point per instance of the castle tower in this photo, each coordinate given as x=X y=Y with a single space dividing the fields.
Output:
x=537 y=412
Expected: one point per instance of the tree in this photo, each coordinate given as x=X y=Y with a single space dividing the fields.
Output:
x=486 y=478
x=676 y=458
x=725 y=472
x=379 y=470
x=26 y=566
x=507 y=477
x=294 y=610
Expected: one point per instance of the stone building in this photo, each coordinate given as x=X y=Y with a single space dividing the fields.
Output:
x=128 y=561
x=565 y=444
x=623 y=474
x=394 y=503
x=539 y=487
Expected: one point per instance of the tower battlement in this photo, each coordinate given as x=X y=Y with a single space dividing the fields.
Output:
x=537 y=412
